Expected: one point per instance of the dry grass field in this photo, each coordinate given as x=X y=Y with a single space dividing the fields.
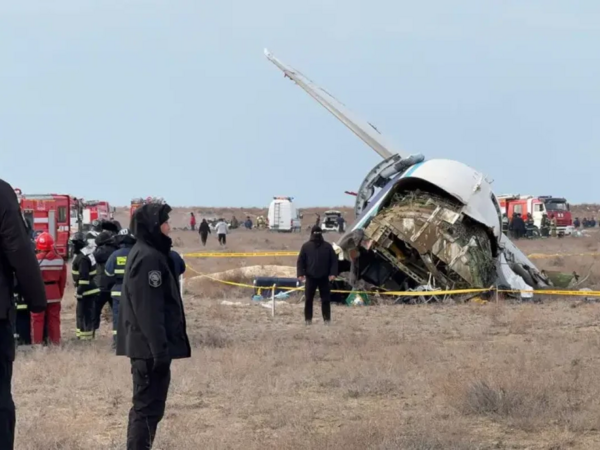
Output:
x=431 y=377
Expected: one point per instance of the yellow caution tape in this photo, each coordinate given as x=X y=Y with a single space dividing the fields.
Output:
x=238 y=255
x=413 y=294
x=263 y=254
x=556 y=255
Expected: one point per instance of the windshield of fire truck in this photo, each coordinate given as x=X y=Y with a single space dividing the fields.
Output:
x=557 y=206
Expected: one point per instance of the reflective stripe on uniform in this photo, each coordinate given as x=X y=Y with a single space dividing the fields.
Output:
x=108 y=274
x=93 y=272
x=21 y=306
x=83 y=282
x=115 y=293
x=120 y=271
x=86 y=335
x=75 y=272
x=55 y=300
x=91 y=292
x=51 y=262
x=114 y=332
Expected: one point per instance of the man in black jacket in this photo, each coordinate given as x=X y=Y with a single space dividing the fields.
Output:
x=106 y=245
x=151 y=328
x=17 y=260
x=317 y=265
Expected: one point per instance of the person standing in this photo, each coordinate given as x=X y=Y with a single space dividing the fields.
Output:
x=192 y=221
x=151 y=330
x=18 y=267
x=221 y=229
x=317 y=265
x=54 y=274
x=204 y=231
x=115 y=271
x=106 y=245
x=84 y=270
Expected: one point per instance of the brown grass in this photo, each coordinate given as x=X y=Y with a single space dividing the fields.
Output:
x=428 y=377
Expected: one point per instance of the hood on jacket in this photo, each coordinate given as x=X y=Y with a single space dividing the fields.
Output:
x=316 y=235
x=104 y=238
x=145 y=225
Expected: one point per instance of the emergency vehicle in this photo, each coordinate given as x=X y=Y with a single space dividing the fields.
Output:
x=49 y=213
x=282 y=215
x=538 y=206
x=137 y=202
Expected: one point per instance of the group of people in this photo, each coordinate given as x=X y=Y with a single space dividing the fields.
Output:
x=584 y=223
x=519 y=228
x=135 y=270
x=204 y=229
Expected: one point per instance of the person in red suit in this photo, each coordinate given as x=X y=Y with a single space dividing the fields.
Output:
x=54 y=274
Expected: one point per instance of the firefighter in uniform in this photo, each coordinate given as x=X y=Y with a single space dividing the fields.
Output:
x=84 y=271
x=115 y=271
x=54 y=274
x=105 y=246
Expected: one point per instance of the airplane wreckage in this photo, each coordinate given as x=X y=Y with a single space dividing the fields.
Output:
x=423 y=224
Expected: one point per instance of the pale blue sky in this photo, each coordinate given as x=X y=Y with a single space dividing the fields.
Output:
x=175 y=98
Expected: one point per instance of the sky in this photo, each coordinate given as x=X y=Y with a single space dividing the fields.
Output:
x=115 y=99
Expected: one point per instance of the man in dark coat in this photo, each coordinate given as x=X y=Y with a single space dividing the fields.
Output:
x=317 y=265
x=151 y=328
x=19 y=269
x=204 y=231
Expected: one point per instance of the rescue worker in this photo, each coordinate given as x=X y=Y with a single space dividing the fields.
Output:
x=105 y=246
x=192 y=221
x=152 y=327
x=84 y=271
x=54 y=274
x=545 y=225
x=248 y=223
x=317 y=265
x=234 y=223
x=115 y=271
x=204 y=231
x=221 y=229
x=553 y=226
x=517 y=226
x=18 y=268
x=340 y=223
x=576 y=223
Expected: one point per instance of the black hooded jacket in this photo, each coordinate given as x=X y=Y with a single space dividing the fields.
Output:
x=106 y=246
x=18 y=264
x=317 y=259
x=204 y=228
x=151 y=320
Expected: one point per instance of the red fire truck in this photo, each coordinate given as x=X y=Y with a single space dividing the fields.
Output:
x=137 y=202
x=50 y=213
x=538 y=206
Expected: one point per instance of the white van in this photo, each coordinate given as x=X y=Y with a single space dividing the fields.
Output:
x=282 y=215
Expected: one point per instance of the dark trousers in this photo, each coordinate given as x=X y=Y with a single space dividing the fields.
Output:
x=115 y=309
x=7 y=406
x=193 y=226
x=102 y=299
x=203 y=237
x=310 y=289
x=22 y=329
x=222 y=239
x=150 y=391
x=85 y=317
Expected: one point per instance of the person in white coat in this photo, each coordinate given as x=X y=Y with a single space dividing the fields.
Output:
x=221 y=228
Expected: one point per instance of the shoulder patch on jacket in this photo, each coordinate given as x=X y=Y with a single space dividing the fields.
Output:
x=154 y=278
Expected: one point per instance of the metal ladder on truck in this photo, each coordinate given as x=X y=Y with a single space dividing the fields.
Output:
x=276 y=216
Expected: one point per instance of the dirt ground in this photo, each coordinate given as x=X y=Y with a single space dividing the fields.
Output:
x=430 y=377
